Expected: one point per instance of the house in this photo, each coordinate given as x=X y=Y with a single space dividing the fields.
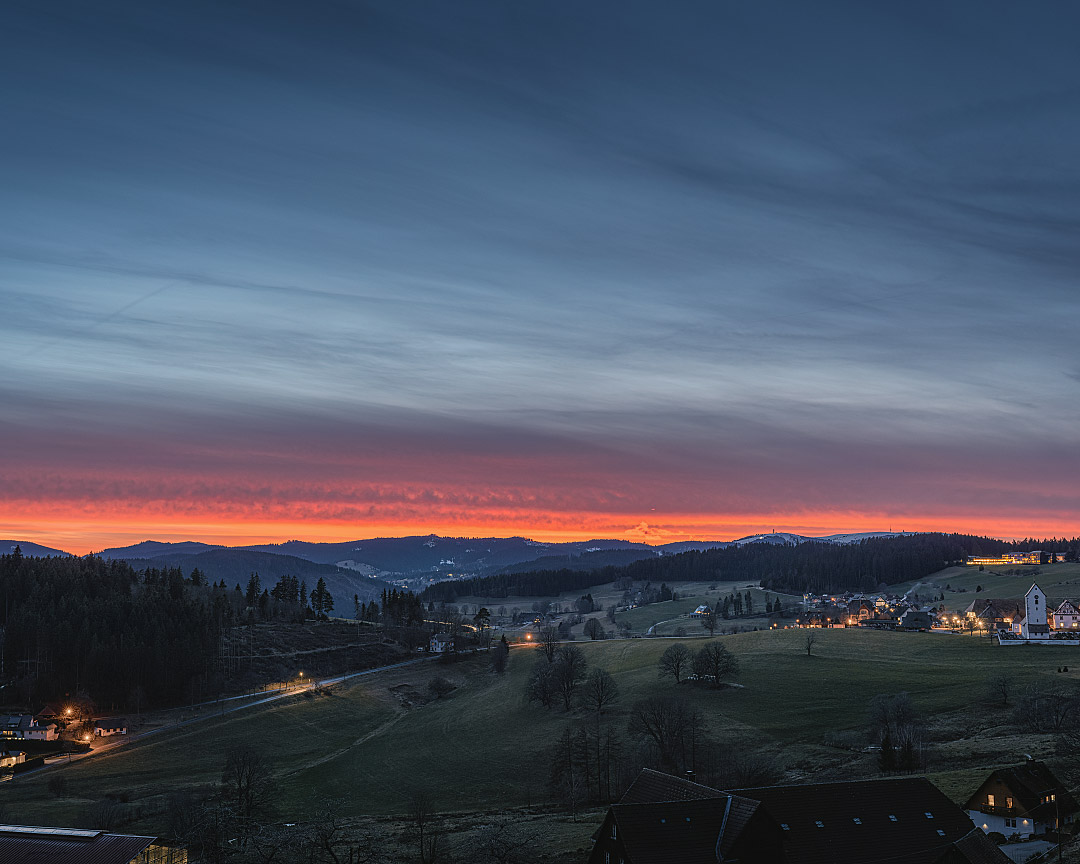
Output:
x=12 y=758
x=23 y=727
x=701 y=611
x=916 y=619
x=441 y=643
x=1066 y=615
x=56 y=845
x=994 y=613
x=902 y=820
x=110 y=726
x=860 y=610
x=37 y=732
x=1027 y=799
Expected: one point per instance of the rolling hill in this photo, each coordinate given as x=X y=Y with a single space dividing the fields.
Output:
x=32 y=549
x=236 y=565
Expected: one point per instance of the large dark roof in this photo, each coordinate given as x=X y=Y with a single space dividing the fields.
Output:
x=667 y=831
x=977 y=848
x=894 y=821
x=21 y=844
x=898 y=821
x=1000 y=606
x=651 y=786
x=1029 y=783
x=654 y=787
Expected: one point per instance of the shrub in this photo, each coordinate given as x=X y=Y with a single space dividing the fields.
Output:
x=439 y=687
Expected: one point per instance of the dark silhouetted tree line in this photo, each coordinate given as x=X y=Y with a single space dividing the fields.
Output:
x=793 y=568
x=86 y=625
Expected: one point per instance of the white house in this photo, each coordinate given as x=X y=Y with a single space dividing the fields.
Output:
x=1066 y=616
x=111 y=726
x=23 y=726
x=441 y=643
x=37 y=732
x=12 y=758
x=1024 y=800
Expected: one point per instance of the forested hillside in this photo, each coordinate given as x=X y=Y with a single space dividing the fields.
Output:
x=791 y=568
x=86 y=625
x=132 y=638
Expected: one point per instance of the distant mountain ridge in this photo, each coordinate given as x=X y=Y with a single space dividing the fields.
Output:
x=33 y=550
x=424 y=558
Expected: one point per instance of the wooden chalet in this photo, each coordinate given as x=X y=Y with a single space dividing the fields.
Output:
x=1024 y=800
x=907 y=820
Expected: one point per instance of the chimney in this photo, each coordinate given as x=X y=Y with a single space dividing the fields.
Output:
x=691 y=776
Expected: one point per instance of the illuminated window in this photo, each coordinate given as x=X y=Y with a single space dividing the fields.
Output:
x=1009 y=803
x=990 y=800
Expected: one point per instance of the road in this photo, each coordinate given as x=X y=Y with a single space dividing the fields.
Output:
x=110 y=746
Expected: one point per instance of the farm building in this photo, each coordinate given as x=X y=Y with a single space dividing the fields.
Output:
x=70 y=845
x=110 y=726
x=904 y=820
x=1025 y=800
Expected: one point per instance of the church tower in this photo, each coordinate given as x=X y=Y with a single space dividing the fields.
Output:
x=1034 y=626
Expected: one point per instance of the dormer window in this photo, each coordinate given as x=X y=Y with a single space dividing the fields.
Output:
x=857 y=820
x=892 y=818
x=928 y=815
x=785 y=826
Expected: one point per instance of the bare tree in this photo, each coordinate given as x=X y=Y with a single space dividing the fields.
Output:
x=674 y=661
x=811 y=640
x=600 y=692
x=549 y=643
x=594 y=629
x=248 y=786
x=506 y=841
x=1000 y=687
x=714 y=662
x=569 y=668
x=566 y=777
x=500 y=654
x=663 y=720
x=542 y=686
x=709 y=622
x=422 y=813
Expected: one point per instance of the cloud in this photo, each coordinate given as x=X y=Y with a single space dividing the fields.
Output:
x=481 y=262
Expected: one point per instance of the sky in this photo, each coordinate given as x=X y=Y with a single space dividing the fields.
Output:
x=641 y=270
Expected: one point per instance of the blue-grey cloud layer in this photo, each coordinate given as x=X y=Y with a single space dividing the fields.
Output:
x=644 y=224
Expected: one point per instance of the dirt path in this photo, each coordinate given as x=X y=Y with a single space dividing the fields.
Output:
x=374 y=733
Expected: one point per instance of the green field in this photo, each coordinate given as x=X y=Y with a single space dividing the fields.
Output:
x=1057 y=580
x=692 y=595
x=479 y=748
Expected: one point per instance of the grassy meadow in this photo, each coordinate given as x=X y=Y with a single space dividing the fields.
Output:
x=481 y=747
x=959 y=584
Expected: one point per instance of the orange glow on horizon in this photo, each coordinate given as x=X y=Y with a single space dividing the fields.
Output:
x=81 y=533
